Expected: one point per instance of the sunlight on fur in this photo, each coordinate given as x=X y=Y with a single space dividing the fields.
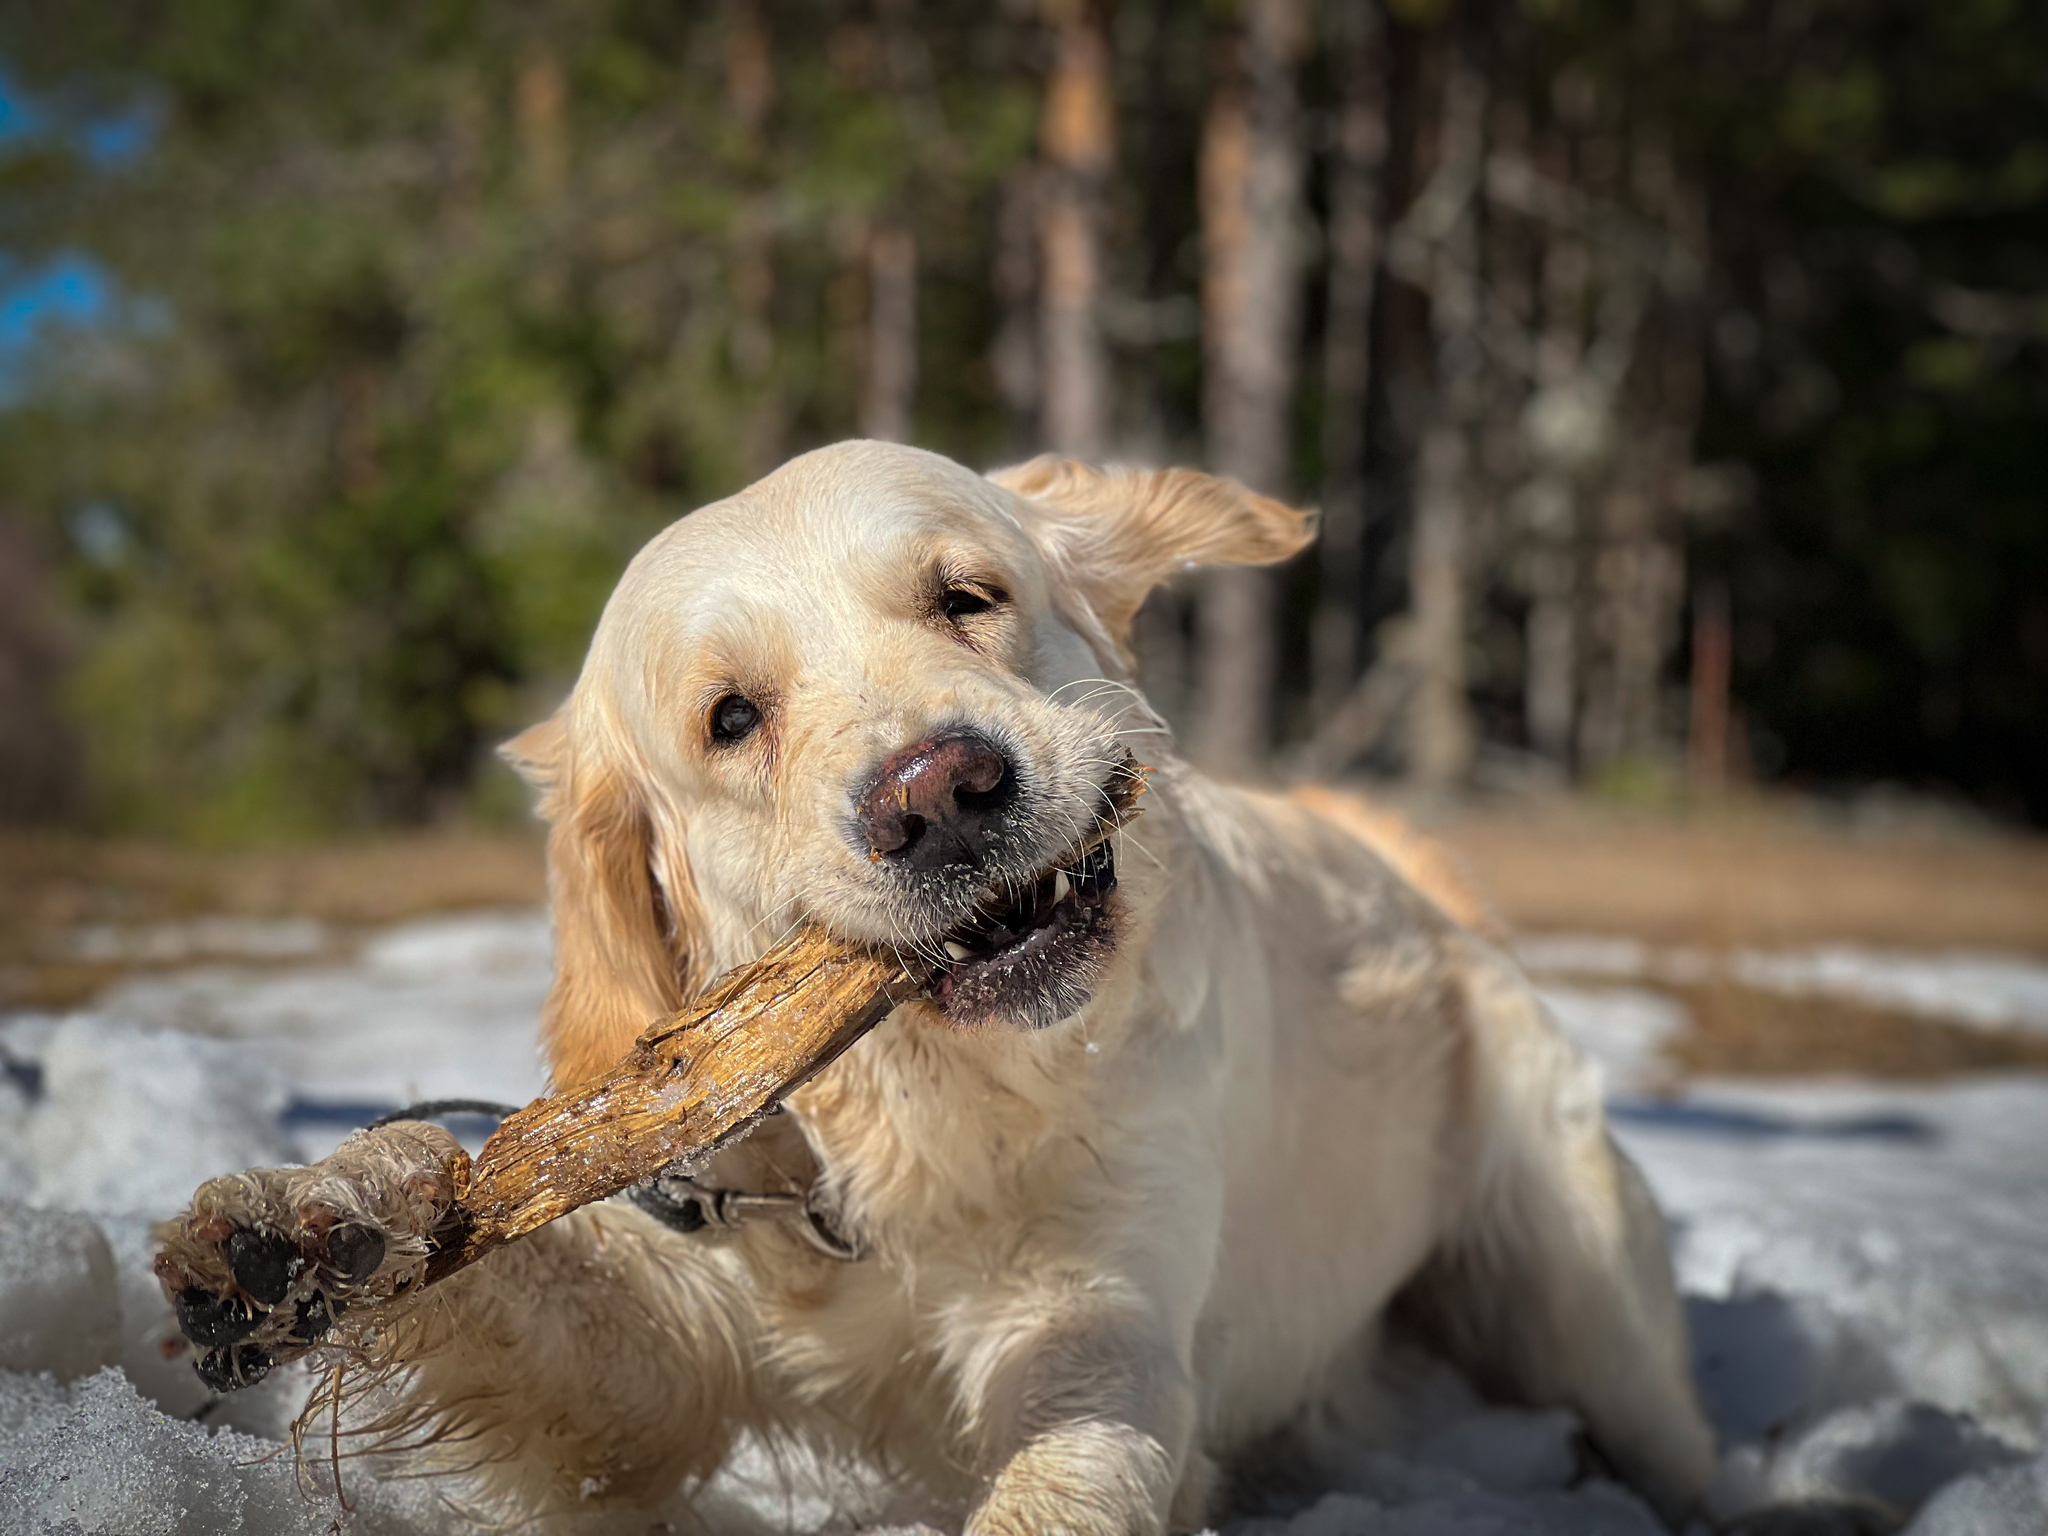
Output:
x=1141 y=1177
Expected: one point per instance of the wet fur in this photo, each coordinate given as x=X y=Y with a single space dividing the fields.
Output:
x=1105 y=1255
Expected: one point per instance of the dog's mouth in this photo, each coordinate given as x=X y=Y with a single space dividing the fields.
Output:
x=1030 y=956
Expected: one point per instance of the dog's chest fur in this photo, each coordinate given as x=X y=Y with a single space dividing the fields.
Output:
x=987 y=1171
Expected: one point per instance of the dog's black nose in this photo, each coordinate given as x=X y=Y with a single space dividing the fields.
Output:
x=934 y=801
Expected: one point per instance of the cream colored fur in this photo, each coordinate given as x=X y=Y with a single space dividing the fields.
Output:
x=1105 y=1255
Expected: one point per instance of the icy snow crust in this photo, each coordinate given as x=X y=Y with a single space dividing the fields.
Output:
x=1987 y=991
x=1866 y=1269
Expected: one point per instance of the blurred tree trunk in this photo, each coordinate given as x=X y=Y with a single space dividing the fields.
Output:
x=38 y=757
x=1357 y=207
x=539 y=96
x=1706 y=737
x=1250 y=195
x=1400 y=397
x=1160 y=49
x=1511 y=255
x=889 y=385
x=1445 y=223
x=1638 y=568
x=1566 y=437
x=1077 y=137
x=1013 y=278
x=749 y=93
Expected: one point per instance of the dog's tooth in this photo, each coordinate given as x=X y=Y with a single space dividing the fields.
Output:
x=957 y=950
x=1060 y=887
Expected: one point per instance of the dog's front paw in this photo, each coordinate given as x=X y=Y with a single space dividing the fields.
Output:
x=1093 y=1478
x=263 y=1265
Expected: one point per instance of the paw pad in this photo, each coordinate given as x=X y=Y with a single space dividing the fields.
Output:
x=316 y=1314
x=205 y=1318
x=355 y=1253
x=264 y=1264
x=233 y=1366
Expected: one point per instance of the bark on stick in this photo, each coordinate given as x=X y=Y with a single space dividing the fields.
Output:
x=266 y=1265
x=691 y=1084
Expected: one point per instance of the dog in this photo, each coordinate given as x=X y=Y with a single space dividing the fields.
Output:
x=1139 y=1183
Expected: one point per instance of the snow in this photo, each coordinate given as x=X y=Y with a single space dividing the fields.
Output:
x=441 y=1008
x=97 y=1456
x=202 y=938
x=131 y=1119
x=1600 y=1510
x=100 y=1457
x=1624 y=1030
x=59 y=1308
x=1984 y=991
x=2011 y=1502
x=1456 y=1467
x=1893 y=1454
x=1866 y=1267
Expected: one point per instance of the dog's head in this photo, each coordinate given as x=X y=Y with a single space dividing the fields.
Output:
x=880 y=692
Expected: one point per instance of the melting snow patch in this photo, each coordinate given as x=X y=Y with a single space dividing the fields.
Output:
x=202 y=938
x=1622 y=1029
x=96 y=1458
x=1990 y=991
x=443 y=1008
x=473 y=944
x=1580 y=954
x=1985 y=991
x=133 y=1120
x=1866 y=1267
x=60 y=1310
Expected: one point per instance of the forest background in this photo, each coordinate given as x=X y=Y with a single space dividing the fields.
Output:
x=1670 y=374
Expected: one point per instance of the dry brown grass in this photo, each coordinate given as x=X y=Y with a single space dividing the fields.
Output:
x=1757 y=876
x=1737 y=1032
x=53 y=880
x=1753 y=877
x=51 y=883
x=1746 y=876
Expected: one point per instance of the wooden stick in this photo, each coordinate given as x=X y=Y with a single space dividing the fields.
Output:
x=698 y=1080
x=693 y=1083
x=263 y=1264
x=268 y=1264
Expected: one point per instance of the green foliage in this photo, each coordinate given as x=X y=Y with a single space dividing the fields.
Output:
x=440 y=309
x=1891 y=245
x=449 y=307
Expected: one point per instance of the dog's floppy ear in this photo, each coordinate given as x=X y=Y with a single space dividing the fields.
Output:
x=1114 y=534
x=624 y=951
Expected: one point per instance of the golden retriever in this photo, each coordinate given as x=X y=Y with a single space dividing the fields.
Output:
x=1135 y=1187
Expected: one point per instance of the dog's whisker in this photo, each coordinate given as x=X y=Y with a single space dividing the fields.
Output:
x=1083 y=682
x=1123 y=836
x=1089 y=698
x=788 y=928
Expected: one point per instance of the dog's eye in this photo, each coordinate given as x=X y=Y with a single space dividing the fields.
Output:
x=961 y=602
x=733 y=718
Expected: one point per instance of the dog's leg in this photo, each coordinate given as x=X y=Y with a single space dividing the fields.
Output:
x=1557 y=1286
x=600 y=1360
x=1085 y=1415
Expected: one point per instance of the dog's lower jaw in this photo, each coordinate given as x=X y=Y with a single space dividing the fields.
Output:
x=1051 y=1003
x=1093 y=1478
x=1042 y=976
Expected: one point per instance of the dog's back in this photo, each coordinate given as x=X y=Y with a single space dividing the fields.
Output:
x=1422 y=861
